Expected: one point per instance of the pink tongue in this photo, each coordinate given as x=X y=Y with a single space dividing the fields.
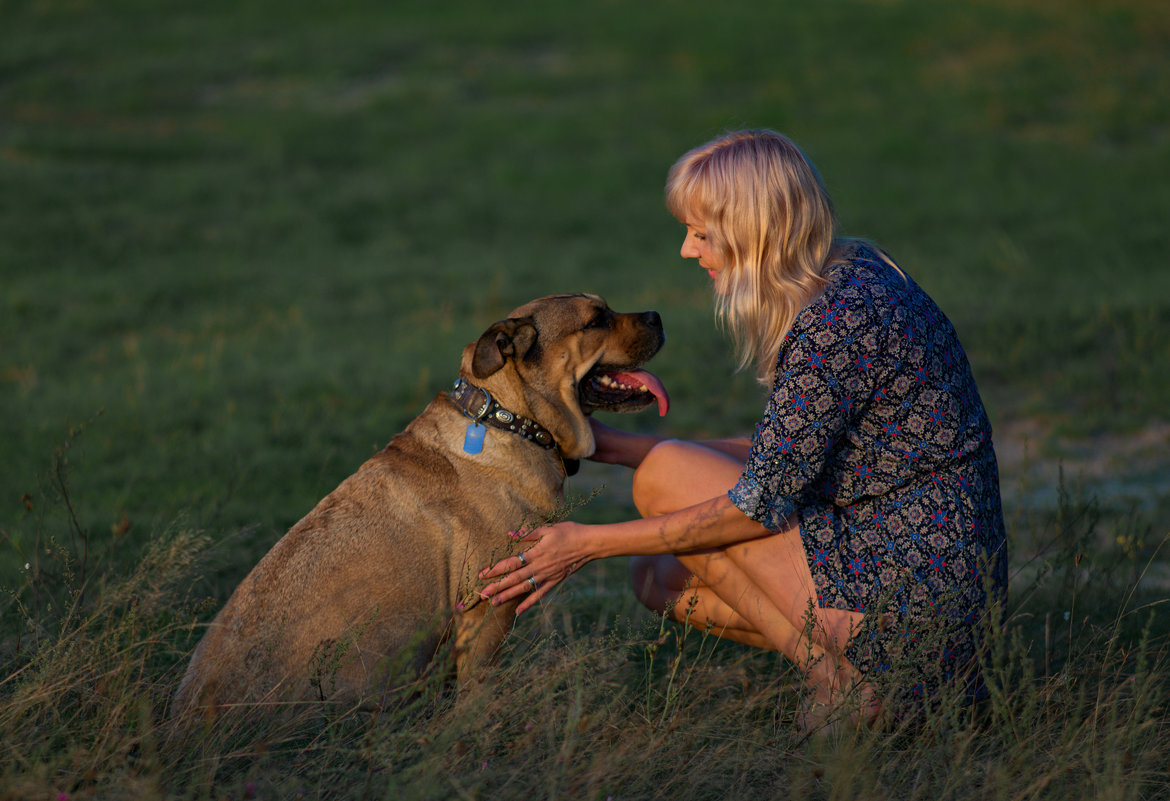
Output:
x=651 y=382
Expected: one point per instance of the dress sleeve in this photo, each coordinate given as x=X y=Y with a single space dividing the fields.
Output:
x=825 y=370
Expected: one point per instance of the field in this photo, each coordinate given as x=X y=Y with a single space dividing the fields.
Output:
x=242 y=244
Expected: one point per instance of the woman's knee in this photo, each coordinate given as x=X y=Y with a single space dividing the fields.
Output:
x=676 y=474
x=651 y=481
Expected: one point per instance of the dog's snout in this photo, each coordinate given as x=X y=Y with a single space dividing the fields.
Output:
x=652 y=319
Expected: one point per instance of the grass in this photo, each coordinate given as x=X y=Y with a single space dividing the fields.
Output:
x=592 y=699
x=242 y=244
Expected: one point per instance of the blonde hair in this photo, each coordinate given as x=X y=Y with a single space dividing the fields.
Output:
x=769 y=219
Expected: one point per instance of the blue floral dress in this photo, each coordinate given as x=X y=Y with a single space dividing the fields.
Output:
x=876 y=441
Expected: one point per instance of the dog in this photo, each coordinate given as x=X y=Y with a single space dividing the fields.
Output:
x=351 y=595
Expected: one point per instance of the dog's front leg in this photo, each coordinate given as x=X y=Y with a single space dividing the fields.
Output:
x=478 y=634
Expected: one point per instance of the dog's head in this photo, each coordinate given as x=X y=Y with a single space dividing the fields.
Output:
x=559 y=358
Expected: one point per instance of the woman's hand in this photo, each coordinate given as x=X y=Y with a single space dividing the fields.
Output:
x=558 y=551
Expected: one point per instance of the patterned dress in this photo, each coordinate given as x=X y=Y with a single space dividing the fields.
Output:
x=875 y=440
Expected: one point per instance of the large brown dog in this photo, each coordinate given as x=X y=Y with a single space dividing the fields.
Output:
x=351 y=595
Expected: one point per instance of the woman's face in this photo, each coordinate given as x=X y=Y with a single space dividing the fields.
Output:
x=696 y=246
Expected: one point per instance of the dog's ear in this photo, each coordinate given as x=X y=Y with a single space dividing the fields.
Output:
x=511 y=338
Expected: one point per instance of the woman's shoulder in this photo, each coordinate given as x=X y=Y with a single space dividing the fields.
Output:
x=863 y=277
x=861 y=264
x=899 y=305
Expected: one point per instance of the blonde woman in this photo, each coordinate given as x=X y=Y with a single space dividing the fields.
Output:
x=860 y=527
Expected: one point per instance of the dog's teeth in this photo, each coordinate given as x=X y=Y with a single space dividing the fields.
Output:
x=608 y=381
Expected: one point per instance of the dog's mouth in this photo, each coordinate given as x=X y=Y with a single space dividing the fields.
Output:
x=622 y=391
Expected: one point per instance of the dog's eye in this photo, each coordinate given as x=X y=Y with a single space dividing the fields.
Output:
x=600 y=320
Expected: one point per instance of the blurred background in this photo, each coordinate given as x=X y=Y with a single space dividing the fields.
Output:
x=242 y=244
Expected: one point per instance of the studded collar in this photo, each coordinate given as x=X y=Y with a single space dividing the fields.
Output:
x=478 y=404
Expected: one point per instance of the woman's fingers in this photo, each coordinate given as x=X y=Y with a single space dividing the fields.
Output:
x=534 y=572
x=535 y=596
x=512 y=574
x=515 y=585
x=531 y=535
x=503 y=567
x=511 y=563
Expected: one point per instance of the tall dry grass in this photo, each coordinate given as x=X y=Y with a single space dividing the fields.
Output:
x=640 y=708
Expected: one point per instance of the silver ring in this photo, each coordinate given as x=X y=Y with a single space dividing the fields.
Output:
x=523 y=561
x=532 y=581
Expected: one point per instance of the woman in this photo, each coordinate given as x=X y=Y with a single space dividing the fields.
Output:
x=860 y=527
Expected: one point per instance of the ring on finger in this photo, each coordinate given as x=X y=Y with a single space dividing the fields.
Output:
x=523 y=561
x=532 y=581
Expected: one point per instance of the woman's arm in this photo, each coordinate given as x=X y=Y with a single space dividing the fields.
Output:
x=709 y=524
x=615 y=446
x=561 y=549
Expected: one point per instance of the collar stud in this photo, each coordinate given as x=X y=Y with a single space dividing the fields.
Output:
x=478 y=404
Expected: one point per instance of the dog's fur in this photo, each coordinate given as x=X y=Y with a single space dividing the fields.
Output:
x=361 y=581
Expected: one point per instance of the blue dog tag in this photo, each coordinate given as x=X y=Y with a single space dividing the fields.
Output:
x=473 y=440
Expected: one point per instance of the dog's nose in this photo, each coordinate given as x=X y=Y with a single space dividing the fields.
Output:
x=652 y=319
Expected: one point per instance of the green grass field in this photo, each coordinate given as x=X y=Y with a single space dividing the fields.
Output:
x=242 y=244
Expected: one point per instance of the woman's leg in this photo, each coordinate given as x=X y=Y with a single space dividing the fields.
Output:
x=759 y=592
x=666 y=585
